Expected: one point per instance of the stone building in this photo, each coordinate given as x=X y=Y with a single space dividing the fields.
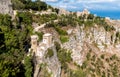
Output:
x=40 y=48
x=63 y=11
x=6 y=7
x=40 y=51
x=84 y=12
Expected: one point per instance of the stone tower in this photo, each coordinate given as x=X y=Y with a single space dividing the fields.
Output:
x=85 y=11
x=34 y=42
x=6 y=7
x=47 y=39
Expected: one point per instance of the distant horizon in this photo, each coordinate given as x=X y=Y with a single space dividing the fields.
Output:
x=103 y=8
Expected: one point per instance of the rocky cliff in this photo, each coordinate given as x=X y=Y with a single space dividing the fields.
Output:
x=99 y=39
x=80 y=39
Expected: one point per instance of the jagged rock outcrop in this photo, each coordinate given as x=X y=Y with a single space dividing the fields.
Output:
x=52 y=64
x=97 y=36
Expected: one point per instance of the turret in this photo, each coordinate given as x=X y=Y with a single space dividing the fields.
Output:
x=34 y=42
x=47 y=39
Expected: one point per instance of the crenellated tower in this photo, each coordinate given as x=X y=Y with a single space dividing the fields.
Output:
x=34 y=42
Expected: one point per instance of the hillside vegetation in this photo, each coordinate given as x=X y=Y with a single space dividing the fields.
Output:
x=15 y=42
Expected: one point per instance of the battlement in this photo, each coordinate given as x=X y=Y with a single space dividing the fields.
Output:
x=39 y=48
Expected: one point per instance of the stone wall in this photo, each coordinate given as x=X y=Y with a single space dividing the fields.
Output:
x=6 y=7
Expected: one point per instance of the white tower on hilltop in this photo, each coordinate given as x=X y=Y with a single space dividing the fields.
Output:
x=47 y=39
x=34 y=43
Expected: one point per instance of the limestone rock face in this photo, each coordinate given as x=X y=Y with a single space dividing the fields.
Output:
x=54 y=65
x=82 y=39
x=96 y=38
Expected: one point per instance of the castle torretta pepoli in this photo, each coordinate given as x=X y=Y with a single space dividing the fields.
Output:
x=39 y=48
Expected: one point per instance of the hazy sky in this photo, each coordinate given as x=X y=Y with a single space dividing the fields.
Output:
x=76 y=5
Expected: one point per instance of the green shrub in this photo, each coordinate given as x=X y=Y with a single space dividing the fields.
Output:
x=88 y=55
x=25 y=18
x=109 y=28
x=58 y=47
x=93 y=58
x=50 y=53
x=90 y=16
x=88 y=23
x=60 y=31
x=64 y=39
x=29 y=4
x=78 y=73
x=5 y=20
x=114 y=57
x=102 y=56
x=64 y=56
x=43 y=70
x=84 y=65
x=91 y=69
x=28 y=66
x=40 y=35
